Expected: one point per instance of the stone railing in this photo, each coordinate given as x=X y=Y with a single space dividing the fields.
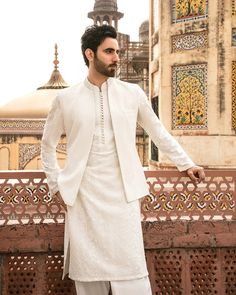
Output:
x=189 y=234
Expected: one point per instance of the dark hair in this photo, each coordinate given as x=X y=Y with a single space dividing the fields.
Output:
x=94 y=36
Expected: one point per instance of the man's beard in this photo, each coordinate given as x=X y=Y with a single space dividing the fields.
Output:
x=106 y=70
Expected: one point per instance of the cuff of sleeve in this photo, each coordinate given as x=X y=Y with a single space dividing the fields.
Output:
x=186 y=166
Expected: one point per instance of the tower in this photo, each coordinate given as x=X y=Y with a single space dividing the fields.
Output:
x=192 y=76
x=106 y=12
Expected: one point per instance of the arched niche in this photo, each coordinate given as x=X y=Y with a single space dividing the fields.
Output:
x=4 y=158
x=106 y=20
x=97 y=20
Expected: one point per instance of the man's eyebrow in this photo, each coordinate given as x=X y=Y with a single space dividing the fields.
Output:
x=112 y=49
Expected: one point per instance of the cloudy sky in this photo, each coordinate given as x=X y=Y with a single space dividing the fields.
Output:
x=29 y=30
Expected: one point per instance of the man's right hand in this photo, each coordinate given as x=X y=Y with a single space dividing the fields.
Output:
x=59 y=199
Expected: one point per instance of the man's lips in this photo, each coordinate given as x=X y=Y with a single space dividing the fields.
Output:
x=113 y=66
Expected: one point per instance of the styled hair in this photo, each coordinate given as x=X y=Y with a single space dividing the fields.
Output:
x=93 y=36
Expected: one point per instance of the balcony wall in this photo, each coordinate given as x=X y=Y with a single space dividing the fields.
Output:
x=189 y=234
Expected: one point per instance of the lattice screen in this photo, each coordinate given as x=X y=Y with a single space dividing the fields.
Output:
x=167 y=264
x=201 y=271
x=230 y=271
x=36 y=274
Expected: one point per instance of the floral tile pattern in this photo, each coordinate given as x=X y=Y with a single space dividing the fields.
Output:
x=189 y=104
x=186 y=10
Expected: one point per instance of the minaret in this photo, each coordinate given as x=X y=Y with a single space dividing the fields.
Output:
x=105 y=12
x=56 y=81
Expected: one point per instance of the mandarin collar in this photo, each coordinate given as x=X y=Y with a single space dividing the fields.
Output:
x=93 y=87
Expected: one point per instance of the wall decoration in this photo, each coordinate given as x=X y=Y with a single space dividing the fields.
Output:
x=21 y=126
x=233 y=36
x=189 y=105
x=234 y=95
x=233 y=7
x=188 y=10
x=189 y=41
x=28 y=152
x=154 y=149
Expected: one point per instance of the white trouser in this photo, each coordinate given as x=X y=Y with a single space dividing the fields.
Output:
x=129 y=287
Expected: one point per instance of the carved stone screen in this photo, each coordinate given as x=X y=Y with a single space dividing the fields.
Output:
x=184 y=42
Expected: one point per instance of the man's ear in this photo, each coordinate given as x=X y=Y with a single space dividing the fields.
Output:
x=89 y=54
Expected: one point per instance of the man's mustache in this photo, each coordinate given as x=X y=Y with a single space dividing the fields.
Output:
x=113 y=65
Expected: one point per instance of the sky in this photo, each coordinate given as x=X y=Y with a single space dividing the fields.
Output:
x=30 y=29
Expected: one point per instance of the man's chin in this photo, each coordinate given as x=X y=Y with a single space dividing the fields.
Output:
x=112 y=73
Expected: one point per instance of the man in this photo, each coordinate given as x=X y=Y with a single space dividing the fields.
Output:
x=103 y=178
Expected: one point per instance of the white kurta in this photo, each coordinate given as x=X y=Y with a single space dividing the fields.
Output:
x=103 y=230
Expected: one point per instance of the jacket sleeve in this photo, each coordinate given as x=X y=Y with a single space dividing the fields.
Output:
x=160 y=136
x=53 y=130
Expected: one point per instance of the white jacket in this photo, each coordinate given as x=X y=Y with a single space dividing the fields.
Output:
x=73 y=113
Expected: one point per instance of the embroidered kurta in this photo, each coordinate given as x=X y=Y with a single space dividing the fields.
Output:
x=103 y=238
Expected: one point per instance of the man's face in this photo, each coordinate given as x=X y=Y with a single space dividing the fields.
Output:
x=107 y=57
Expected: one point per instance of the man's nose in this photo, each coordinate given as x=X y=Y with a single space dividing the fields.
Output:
x=116 y=57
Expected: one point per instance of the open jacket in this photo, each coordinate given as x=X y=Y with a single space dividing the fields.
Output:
x=73 y=113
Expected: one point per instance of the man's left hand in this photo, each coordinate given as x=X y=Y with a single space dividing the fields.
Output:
x=196 y=173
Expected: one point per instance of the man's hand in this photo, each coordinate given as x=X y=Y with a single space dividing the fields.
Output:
x=59 y=199
x=196 y=173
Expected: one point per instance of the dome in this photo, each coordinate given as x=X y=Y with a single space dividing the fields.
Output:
x=36 y=104
x=105 y=11
x=105 y=5
x=144 y=31
x=144 y=27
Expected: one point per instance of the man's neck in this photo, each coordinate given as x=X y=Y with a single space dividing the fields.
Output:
x=96 y=80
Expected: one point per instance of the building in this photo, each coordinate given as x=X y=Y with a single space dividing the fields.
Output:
x=21 y=126
x=22 y=120
x=192 y=77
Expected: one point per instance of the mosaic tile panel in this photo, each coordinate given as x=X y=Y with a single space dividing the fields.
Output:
x=234 y=95
x=233 y=36
x=189 y=104
x=188 y=10
x=189 y=41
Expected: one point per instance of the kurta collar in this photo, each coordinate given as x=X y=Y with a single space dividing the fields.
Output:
x=93 y=87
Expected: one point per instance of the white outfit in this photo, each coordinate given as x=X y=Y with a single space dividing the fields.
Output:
x=103 y=178
x=132 y=287
x=72 y=113
x=107 y=241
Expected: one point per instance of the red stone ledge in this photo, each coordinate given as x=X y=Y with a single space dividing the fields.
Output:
x=189 y=234
x=157 y=235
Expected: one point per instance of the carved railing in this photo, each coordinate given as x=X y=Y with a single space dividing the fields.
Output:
x=189 y=234
x=174 y=196
x=25 y=199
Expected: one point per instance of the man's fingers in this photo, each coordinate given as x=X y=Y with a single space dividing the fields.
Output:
x=196 y=173
x=201 y=174
x=192 y=176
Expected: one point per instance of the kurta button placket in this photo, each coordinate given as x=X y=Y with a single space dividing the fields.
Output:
x=102 y=117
